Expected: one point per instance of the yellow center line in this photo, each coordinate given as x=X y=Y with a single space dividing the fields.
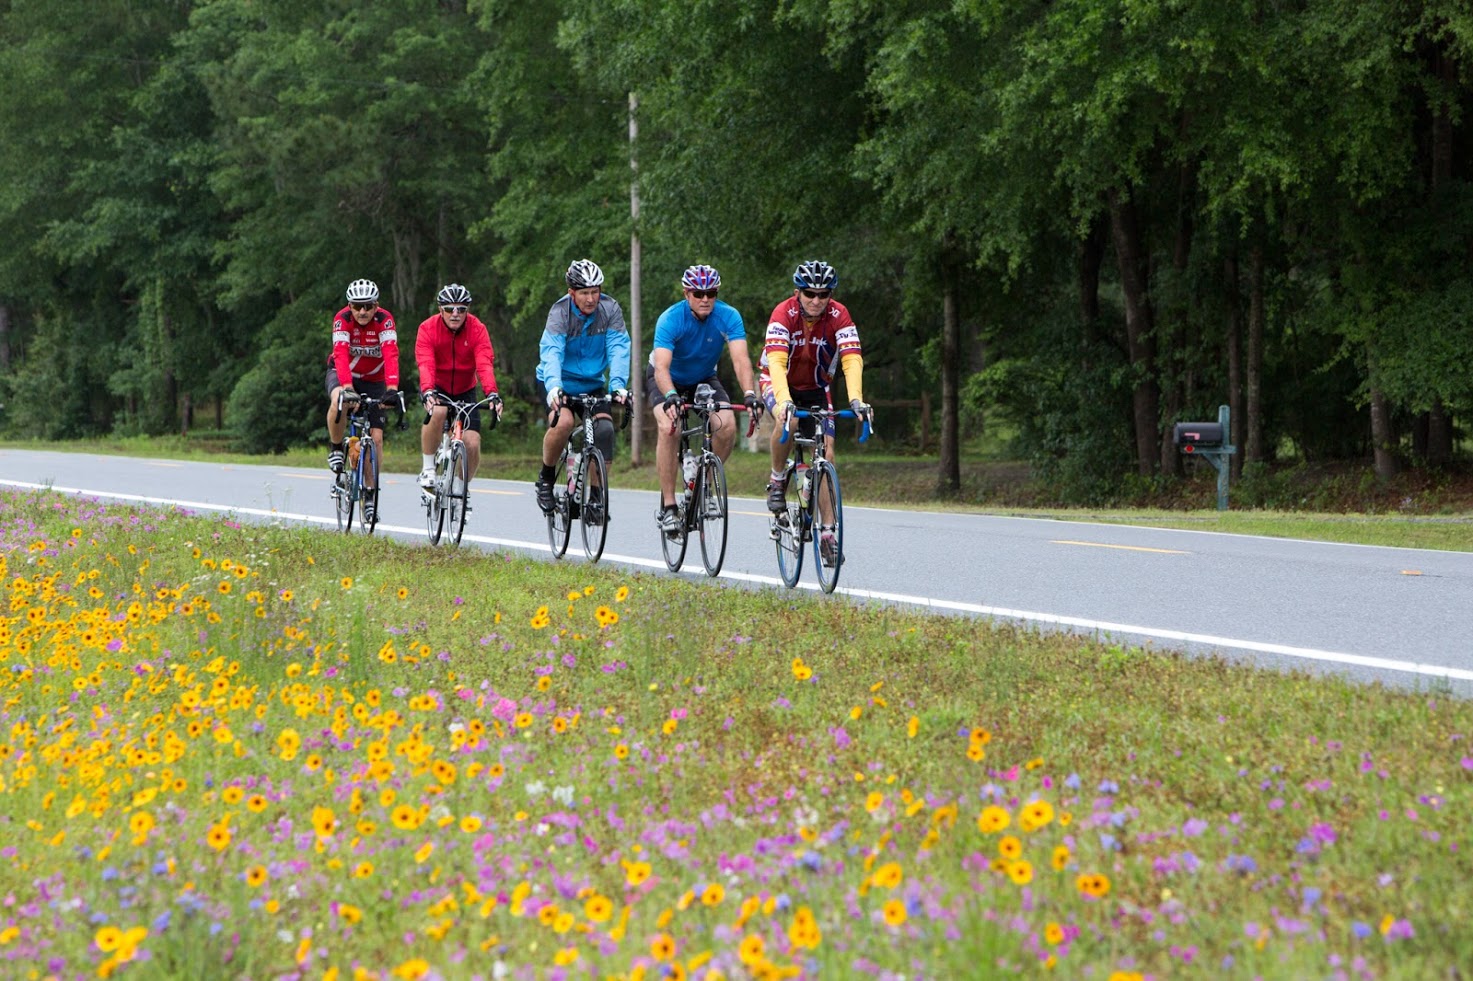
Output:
x=480 y=490
x=162 y=463
x=1127 y=548
x=754 y=514
x=307 y=476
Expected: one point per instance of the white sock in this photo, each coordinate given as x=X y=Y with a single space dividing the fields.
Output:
x=776 y=477
x=429 y=459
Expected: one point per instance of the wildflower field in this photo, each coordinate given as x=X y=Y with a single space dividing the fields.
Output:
x=236 y=751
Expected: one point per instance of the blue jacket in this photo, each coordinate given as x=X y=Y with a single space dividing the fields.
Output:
x=577 y=351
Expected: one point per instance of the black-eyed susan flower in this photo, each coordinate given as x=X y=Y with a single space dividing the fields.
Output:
x=894 y=913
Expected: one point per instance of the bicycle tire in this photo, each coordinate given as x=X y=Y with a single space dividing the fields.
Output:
x=458 y=491
x=826 y=480
x=789 y=544
x=434 y=512
x=594 y=518
x=367 y=499
x=711 y=512
x=342 y=497
x=673 y=546
x=559 y=519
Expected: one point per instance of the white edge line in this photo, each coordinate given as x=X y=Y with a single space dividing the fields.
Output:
x=925 y=602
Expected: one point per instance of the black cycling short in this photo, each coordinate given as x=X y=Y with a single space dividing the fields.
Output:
x=378 y=416
x=687 y=392
x=603 y=407
x=816 y=398
x=467 y=397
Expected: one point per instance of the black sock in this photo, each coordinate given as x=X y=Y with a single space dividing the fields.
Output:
x=547 y=474
x=335 y=446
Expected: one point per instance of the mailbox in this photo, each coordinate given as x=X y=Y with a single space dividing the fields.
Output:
x=1191 y=436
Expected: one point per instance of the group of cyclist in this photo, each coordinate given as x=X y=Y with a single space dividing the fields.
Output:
x=585 y=351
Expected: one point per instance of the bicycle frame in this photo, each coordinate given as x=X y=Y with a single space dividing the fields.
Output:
x=350 y=489
x=451 y=496
x=702 y=502
x=822 y=509
x=573 y=492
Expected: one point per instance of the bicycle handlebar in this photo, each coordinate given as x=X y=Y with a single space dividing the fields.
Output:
x=364 y=403
x=865 y=432
x=588 y=401
x=706 y=408
x=464 y=409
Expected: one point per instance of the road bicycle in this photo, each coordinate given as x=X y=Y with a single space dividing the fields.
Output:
x=580 y=491
x=816 y=512
x=447 y=504
x=350 y=486
x=701 y=506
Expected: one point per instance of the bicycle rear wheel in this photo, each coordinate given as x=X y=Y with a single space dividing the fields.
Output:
x=368 y=499
x=826 y=488
x=434 y=502
x=342 y=499
x=711 y=512
x=559 y=519
x=593 y=505
x=790 y=543
x=458 y=491
x=673 y=545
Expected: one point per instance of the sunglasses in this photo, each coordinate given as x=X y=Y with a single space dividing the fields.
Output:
x=364 y=306
x=818 y=294
x=454 y=309
x=703 y=294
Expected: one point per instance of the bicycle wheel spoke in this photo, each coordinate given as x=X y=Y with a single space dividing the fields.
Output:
x=828 y=537
x=593 y=504
x=559 y=522
x=790 y=544
x=711 y=513
x=458 y=488
x=368 y=499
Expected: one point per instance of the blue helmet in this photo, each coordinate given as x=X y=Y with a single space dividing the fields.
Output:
x=700 y=277
x=815 y=274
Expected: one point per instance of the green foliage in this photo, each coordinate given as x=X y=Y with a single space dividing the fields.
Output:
x=281 y=402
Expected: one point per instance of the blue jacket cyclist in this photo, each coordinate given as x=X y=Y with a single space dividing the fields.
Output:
x=584 y=351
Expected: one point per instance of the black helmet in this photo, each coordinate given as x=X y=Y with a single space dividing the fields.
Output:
x=815 y=274
x=453 y=293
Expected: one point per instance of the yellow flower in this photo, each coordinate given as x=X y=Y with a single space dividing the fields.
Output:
x=346 y=582
x=1020 y=871
x=1053 y=934
x=912 y=727
x=993 y=819
x=1060 y=859
x=621 y=594
x=753 y=950
x=636 y=872
x=1036 y=815
x=894 y=913
x=405 y=817
x=1008 y=846
x=874 y=801
x=324 y=822
x=350 y=914
x=218 y=837
x=544 y=683
x=669 y=727
x=621 y=751
x=423 y=854
x=713 y=894
x=363 y=870
x=256 y=876
x=403 y=592
x=662 y=948
x=413 y=969
x=470 y=824
x=889 y=875
x=598 y=908
x=1097 y=885
x=108 y=938
x=523 y=720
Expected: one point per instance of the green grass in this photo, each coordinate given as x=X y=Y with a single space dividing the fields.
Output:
x=806 y=765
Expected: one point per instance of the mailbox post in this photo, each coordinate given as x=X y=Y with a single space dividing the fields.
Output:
x=1209 y=440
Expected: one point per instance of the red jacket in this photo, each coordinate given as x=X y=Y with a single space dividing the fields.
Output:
x=454 y=361
x=370 y=352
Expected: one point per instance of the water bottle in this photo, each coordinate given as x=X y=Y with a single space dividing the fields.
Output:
x=803 y=484
x=573 y=459
x=690 y=471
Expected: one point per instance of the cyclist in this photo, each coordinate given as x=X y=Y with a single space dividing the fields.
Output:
x=688 y=339
x=453 y=351
x=364 y=361
x=805 y=334
x=585 y=340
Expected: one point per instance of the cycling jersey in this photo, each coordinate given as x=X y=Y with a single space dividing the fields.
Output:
x=452 y=361
x=695 y=345
x=370 y=352
x=805 y=353
x=576 y=351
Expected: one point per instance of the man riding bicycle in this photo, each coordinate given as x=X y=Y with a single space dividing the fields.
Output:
x=364 y=361
x=584 y=342
x=688 y=339
x=453 y=350
x=805 y=334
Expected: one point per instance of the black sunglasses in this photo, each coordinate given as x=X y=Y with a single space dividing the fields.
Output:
x=454 y=309
x=364 y=306
x=818 y=294
x=703 y=294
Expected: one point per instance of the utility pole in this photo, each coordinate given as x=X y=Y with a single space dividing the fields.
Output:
x=636 y=344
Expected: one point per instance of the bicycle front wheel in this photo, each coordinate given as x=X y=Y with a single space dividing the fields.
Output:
x=368 y=499
x=593 y=505
x=560 y=518
x=790 y=543
x=458 y=492
x=673 y=545
x=828 y=538
x=434 y=501
x=342 y=498
x=711 y=512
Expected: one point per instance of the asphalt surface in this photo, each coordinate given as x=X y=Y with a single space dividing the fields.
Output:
x=1400 y=616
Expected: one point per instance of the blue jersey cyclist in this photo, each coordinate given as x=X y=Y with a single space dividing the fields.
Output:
x=689 y=337
x=584 y=345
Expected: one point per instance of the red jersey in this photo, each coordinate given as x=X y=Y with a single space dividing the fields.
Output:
x=813 y=349
x=370 y=352
x=454 y=361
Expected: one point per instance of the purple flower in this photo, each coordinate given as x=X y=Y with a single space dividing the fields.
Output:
x=1361 y=930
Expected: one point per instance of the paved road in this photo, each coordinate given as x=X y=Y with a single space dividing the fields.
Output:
x=1396 y=615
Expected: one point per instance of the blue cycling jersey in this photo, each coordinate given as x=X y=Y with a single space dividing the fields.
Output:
x=695 y=345
x=576 y=351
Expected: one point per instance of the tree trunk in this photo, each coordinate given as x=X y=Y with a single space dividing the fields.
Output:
x=1090 y=256
x=1383 y=440
x=1253 y=448
x=949 y=474
x=1146 y=398
x=4 y=338
x=1439 y=450
x=1233 y=328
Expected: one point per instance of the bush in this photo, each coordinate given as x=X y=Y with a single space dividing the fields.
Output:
x=280 y=402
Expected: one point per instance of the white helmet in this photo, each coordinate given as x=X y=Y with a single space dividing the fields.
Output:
x=453 y=293
x=362 y=291
x=584 y=274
